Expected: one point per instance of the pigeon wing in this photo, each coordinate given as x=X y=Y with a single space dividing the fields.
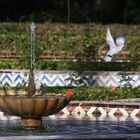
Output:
x=109 y=39
x=120 y=41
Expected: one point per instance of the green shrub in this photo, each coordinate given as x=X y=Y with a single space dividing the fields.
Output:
x=65 y=41
x=71 y=38
x=71 y=65
x=97 y=93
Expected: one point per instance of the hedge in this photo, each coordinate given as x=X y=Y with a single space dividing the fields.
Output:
x=97 y=93
x=72 y=65
x=80 y=40
x=94 y=93
x=67 y=37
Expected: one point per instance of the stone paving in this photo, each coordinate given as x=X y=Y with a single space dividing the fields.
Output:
x=92 y=109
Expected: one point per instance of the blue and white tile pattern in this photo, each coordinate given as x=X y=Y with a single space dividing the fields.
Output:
x=62 y=78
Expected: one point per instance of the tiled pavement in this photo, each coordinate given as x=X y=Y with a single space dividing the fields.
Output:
x=91 y=109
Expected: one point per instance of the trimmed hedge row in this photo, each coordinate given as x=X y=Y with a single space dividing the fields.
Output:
x=71 y=38
x=79 y=66
x=97 y=93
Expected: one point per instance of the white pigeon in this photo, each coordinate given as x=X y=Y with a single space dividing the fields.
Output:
x=115 y=45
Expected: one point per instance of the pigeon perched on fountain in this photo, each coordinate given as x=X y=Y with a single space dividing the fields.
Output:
x=115 y=45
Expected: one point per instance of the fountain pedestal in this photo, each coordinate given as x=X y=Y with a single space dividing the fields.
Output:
x=30 y=123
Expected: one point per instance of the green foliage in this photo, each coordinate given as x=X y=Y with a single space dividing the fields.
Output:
x=64 y=41
x=97 y=93
x=68 y=37
x=70 y=65
x=5 y=88
x=77 y=80
x=126 y=79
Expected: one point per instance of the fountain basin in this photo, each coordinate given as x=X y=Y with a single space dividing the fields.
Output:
x=32 y=109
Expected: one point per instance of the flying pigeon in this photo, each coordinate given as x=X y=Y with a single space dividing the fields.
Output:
x=115 y=45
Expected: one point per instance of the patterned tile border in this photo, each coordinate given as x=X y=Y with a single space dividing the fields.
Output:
x=94 y=110
x=62 y=78
x=103 y=110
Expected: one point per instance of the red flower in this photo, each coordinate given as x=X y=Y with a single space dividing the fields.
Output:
x=69 y=92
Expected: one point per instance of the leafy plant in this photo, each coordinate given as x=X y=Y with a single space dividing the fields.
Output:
x=97 y=93
x=77 y=80
x=126 y=79
x=65 y=42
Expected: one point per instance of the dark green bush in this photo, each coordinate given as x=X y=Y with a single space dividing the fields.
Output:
x=97 y=93
x=71 y=65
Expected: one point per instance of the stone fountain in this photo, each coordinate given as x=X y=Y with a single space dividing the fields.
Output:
x=32 y=108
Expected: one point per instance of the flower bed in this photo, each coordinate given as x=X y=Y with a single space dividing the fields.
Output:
x=98 y=93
